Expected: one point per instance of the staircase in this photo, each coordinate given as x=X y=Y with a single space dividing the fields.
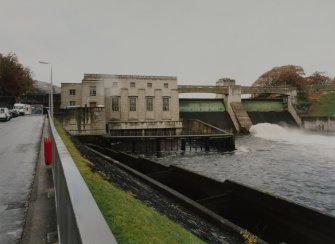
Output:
x=241 y=116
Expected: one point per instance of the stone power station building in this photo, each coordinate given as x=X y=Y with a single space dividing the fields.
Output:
x=121 y=105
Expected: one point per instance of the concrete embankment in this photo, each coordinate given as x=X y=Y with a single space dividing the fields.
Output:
x=319 y=123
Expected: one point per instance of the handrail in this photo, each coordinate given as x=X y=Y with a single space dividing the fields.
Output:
x=79 y=219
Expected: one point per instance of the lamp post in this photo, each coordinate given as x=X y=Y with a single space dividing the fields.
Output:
x=51 y=100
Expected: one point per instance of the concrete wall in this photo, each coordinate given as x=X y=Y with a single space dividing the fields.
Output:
x=201 y=105
x=221 y=120
x=319 y=123
x=234 y=97
x=84 y=121
x=293 y=112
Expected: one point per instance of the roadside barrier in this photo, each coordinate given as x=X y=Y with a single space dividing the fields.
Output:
x=79 y=219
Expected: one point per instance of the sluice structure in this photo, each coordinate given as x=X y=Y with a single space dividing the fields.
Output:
x=195 y=136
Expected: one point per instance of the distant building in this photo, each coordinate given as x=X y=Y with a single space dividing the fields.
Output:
x=146 y=105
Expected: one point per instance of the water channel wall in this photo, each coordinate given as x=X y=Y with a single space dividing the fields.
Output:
x=231 y=205
x=318 y=123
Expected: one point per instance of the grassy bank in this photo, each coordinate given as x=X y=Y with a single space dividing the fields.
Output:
x=130 y=220
x=324 y=107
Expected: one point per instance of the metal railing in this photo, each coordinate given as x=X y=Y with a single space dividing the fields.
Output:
x=79 y=219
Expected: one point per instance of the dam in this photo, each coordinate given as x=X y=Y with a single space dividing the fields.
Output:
x=215 y=111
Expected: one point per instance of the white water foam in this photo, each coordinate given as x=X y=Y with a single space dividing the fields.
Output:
x=275 y=132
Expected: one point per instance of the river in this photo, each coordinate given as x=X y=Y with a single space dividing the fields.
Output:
x=286 y=162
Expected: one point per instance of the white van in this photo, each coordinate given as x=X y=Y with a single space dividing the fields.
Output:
x=20 y=108
x=27 y=109
x=4 y=114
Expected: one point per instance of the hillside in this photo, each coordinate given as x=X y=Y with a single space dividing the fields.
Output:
x=44 y=87
x=324 y=106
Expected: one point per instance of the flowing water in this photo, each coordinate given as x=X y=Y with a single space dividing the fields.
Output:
x=286 y=162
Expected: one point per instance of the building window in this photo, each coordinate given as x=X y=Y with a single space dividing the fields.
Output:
x=72 y=91
x=150 y=102
x=93 y=91
x=114 y=84
x=132 y=84
x=132 y=103
x=166 y=104
x=72 y=103
x=166 y=85
x=149 y=85
x=115 y=103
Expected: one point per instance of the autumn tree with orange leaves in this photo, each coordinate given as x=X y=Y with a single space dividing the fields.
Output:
x=15 y=79
x=291 y=75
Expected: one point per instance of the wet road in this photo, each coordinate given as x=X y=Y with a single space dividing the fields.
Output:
x=20 y=140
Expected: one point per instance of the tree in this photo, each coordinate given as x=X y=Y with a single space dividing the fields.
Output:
x=15 y=79
x=289 y=75
x=317 y=78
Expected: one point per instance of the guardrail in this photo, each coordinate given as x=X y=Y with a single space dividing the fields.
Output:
x=79 y=219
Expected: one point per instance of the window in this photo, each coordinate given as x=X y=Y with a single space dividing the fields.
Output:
x=72 y=103
x=93 y=91
x=165 y=104
x=132 y=103
x=72 y=91
x=150 y=106
x=132 y=84
x=115 y=103
x=166 y=85
x=149 y=85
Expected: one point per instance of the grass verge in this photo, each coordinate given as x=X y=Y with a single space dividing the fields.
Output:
x=129 y=219
x=324 y=107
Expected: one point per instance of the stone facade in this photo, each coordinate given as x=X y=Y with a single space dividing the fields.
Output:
x=70 y=95
x=130 y=101
x=84 y=121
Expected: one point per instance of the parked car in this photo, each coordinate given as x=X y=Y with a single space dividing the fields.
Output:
x=4 y=114
x=14 y=113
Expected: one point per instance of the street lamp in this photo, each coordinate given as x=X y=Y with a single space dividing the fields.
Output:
x=51 y=100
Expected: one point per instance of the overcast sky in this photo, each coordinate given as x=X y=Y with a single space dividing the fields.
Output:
x=199 y=41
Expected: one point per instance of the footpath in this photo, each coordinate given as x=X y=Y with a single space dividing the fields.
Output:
x=41 y=221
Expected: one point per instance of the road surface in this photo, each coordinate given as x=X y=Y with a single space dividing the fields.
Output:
x=19 y=147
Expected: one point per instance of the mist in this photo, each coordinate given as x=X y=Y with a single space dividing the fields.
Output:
x=291 y=135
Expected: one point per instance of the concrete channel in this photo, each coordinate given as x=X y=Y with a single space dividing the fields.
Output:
x=230 y=205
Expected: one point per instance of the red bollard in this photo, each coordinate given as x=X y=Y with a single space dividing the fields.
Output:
x=47 y=150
